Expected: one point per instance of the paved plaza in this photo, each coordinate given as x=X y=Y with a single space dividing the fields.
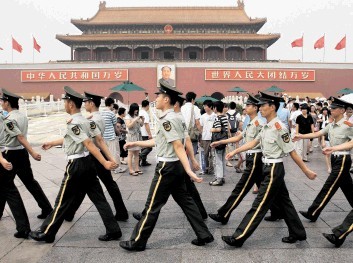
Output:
x=77 y=241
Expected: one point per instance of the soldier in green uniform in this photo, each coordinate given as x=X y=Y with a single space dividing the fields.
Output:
x=169 y=175
x=190 y=186
x=80 y=176
x=92 y=103
x=253 y=171
x=275 y=143
x=9 y=192
x=339 y=131
x=17 y=148
x=342 y=231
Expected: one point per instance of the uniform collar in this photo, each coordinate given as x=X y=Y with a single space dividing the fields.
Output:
x=79 y=114
x=253 y=120
x=96 y=113
x=272 y=123
x=164 y=113
x=339 y=123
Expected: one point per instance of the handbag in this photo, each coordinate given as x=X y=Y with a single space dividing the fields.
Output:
x=193 y=131
x=219 y=136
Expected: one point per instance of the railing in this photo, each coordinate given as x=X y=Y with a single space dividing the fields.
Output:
x=41 y=108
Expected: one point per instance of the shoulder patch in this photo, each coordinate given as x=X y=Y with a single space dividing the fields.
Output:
x=167 y=126
x=76 y=130
x=278 y=126
x=92 y=125
x=256 y=123
x=10 y=125
x=285 y=137
x=348 y=123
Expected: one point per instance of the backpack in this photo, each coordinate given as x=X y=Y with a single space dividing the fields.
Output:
x=232 y=119
x=218 y=136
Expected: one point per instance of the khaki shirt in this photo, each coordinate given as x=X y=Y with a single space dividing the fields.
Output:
x=16 y=123
x=338 y=133
x=169 y=128
x=275 y=140
x=2 y=131
x=181 y=117
x=252 y=130
x=78 y=130
x=98 y=120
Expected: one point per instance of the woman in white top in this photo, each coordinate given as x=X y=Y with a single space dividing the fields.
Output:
x=133 y=123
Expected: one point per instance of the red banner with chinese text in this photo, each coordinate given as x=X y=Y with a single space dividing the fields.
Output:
x=260 y=74
x=74 y=75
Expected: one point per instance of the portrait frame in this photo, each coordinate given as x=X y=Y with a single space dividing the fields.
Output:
x=172 y=76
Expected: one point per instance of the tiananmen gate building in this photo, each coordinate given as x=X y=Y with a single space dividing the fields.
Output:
x=200 y=49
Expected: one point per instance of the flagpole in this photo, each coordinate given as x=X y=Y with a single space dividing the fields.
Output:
x=32 y=51
x=345 y=50
x=303 y=48
x=11 y=49
x=323 y=60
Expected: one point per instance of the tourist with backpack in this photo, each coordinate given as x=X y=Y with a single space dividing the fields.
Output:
x=233 y=119
x=219 y=132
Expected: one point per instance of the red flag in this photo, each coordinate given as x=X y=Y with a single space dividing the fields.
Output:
x=320 y=43
x=298 y=42
x=341 y=44
x=16 y=46
x=35 y=45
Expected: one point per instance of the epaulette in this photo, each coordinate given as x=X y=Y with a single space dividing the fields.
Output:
x=278 y=126
x=348 y=123
x=256 y=123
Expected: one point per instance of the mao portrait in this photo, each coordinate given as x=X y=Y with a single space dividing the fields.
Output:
x=166 y=73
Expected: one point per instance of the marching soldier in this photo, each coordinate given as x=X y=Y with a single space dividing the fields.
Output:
x=275 y=143
x=9 y=192
x=253 y=172
x=80 y=176
x=339 y=131
x=342 y=231
x=190 y=185
x=169 y=175
x=17 y=148
x=92 y=103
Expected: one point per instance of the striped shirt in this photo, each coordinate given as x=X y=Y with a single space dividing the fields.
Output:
x=221 y=119
x=110 y=122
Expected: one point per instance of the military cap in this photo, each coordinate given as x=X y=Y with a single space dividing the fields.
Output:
x=71 y=94
x=7 y=95
x=267 y=98
x=338 y=103
x=92 y=96
x=252 y=100
x=166 y=88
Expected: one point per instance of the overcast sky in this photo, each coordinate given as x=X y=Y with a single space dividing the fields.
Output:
x=291 y=18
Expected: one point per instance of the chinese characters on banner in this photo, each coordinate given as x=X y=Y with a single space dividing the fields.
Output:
x=74 y=75
x=260 y=74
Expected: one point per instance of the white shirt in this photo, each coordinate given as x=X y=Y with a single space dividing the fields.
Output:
x=293 y=117
x=186 y=111
x=144 y=114
x=206 y=122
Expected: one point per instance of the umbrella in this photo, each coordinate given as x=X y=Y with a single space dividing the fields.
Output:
x=345 y=91
x=127 y=86
x=274 y=89
x=237 y=89
x=348 y=98
x=205 y=97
